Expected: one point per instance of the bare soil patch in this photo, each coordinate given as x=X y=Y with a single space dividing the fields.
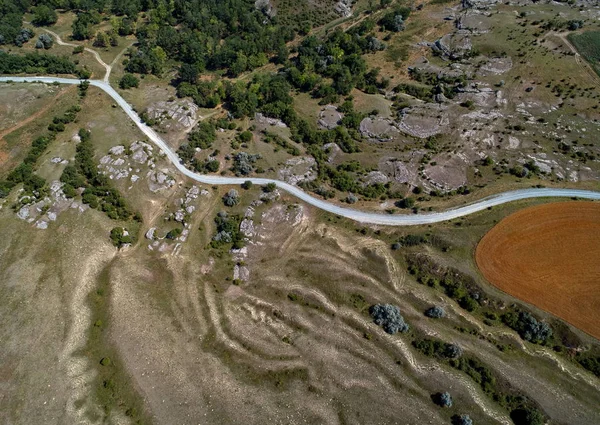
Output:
x=547 y=255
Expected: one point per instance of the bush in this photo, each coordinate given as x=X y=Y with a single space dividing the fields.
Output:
x=174 y=233
x=43 y=15
x=528 y=327
x=435 y=312
x=527 y=416
x=351 y=199
x=442 y=399
x=389 y=318
x=247 y=185
x=228 y=231
x=462 y=420
x=591 y=363
x=105 y=361
x=128 y=81
x=212 y=166
x=44 y=42
x=269 y=187
x=120 y=237
x=440 y=349
x=33 y=63
x=243 y=163
x=406 y=203
x=245 y=136
x=231 y=198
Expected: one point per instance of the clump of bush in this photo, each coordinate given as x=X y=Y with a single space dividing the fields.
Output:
x=455 y=284
x=202 y=137
x=590 y=362
x=243 y=163
x=437 y=348
x=228 y=231
x=528 y=327
x=97 y=192
x=389 y=318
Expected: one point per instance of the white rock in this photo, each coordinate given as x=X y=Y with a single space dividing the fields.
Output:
x=23 y=213
x=150 y=233
x=41 y=224
x=117 y=150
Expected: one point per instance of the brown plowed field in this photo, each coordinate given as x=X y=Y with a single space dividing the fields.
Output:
x=549 y=256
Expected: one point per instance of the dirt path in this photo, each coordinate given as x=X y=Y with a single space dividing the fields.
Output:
x=580 y=61
x=107 y=67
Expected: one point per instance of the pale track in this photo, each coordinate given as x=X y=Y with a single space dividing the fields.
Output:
x=357 y=215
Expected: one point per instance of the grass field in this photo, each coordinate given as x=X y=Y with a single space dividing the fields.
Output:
x=548 y=256
x=588 y=44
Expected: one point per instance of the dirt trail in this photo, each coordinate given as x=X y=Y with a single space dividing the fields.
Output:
x=75 y=364
x=51 y=104
x=107 y=67
x=582 y=62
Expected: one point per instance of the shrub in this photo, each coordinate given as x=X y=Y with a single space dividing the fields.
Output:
x=462 y=420
x=44 y=15
x=174 y=233
x=591 y=363
x=528 y=327
x=435 y=312
x=231 y=198
x=440 y=349
x=245 y=136
x=44 y=42
x=105 y=361
x=212 y=166
x=128 y=81
x=243 y=163
x=389 y=318
x=406 y=203
x=228 y=231
x=442 y=399
x=247 y=185
x=120 y=237
x=269 y=187
x=351 y=199
x=527 y=416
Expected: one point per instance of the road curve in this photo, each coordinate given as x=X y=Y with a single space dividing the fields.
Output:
x=357 y=215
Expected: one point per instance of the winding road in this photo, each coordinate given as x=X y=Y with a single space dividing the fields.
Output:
x=353 y=214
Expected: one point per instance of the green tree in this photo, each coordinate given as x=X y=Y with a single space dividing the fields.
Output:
x=43 y=15
x=128 y=81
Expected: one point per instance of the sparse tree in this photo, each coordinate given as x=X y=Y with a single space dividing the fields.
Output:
x=44 y=42
x=435 y=312
x=462 y=420
x=269 y=187
x=231 y=198
x=388 y=316
x=43 y=15
x=128 y=81
x=442 y=399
